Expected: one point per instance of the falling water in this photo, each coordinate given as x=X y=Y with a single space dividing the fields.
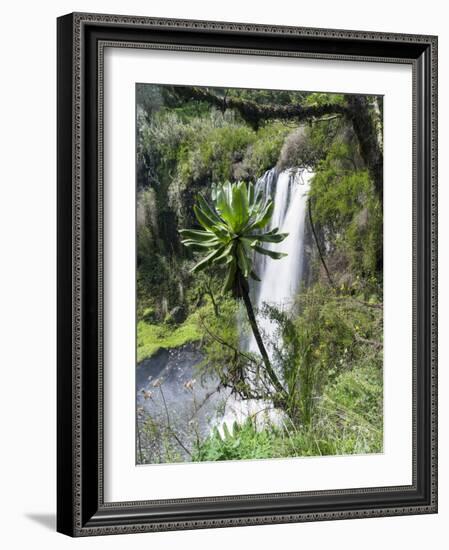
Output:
x=280 y=279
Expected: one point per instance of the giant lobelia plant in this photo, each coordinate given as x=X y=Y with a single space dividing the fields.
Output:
x=233 y=232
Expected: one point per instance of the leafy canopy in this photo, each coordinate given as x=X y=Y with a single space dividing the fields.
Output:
x=232 y=231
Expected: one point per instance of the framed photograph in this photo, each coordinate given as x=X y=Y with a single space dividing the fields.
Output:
x=247 y=277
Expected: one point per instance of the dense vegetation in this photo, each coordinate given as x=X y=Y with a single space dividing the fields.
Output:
x=328 y=348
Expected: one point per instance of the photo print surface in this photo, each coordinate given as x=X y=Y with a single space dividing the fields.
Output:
x=259 y=274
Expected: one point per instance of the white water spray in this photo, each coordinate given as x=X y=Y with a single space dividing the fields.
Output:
x=280 y=279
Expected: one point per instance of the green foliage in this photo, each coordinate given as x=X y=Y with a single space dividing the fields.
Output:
x=358 y=393
x=349 y=414
x=215 y=153
x=227 y=149
x=347 y=420
x=148 y=315
x=181 y=147
x=232 y=232
x=151 y=337
x=268 y=97
x=335 y=325
x=225 y=328
x=245 y=442
x=157 y=443
x=317 y=99
x=328 y=349
x=162 y=272
x=264 y=152
x=223 y=360
x=349 y=214
x=330 y=333
x=338 y=192
x=324 y=135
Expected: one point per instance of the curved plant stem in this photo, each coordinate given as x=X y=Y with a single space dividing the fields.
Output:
x=312 y=225
x=170 y=429
x=263 y=352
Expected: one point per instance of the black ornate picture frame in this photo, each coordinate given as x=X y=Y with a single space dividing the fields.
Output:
x=81 y=509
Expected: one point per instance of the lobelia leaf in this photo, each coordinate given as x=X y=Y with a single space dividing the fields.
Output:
x=197 y=234
x=237 y=209
x=250 y=195
x=271 y=232
x=206 y=261
x=243 y=261
x=264 y=217
x=225 y=254
x=270 y=253
x=223 y=207
x=257 y=199
x=231 y=230
x=254 y=276
x=203 y=218
x=267 y=238
x=244 y=200
x=210 y=212
x=247 y=246
x=200 y=244
x=197 y=247
x=230 y=276
x=205 y=206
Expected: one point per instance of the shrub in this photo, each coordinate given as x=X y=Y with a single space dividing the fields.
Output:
x=346 y=420
x=328 y=334
x=348 y=213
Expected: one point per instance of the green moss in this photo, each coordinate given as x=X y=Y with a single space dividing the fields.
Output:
x=151 y=338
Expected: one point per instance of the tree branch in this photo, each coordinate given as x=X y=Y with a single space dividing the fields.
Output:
x=227 y=344
x=254 y=113
x=367 y=135
x=356 y=111
x=312 y=225
x=170 y=429
x=375 y=343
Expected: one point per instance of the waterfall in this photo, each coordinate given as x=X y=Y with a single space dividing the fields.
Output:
x=280 y=279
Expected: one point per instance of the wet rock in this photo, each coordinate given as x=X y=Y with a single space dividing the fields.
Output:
x=151 y=367
x=176 y=315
